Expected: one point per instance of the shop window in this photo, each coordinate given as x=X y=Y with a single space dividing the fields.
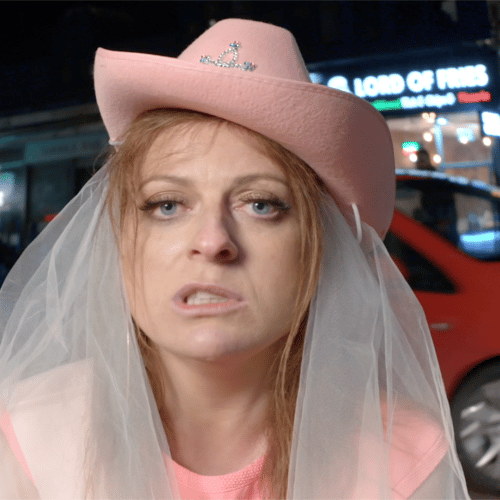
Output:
x=461 y=137
x=421 y=275
x=453 y=142
x=465 y=216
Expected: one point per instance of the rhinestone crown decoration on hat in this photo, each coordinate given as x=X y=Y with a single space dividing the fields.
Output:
x=233 y=49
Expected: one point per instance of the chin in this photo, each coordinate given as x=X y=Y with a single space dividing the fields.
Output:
x=217 y=345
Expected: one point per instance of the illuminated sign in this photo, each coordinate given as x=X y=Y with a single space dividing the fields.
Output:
x=410 y=147
x=468 y=97
x=430 y=88
x=490 y=123
x=383 y=105
x=441 y=82
x=416 y=81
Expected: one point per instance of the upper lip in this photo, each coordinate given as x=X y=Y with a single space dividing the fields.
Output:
x=184 y=292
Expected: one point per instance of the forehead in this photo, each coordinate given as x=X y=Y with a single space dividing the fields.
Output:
x=228 y=146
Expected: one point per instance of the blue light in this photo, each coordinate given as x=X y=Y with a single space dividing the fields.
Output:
x=316 y=77
x=460 y=180
x=340 y=83
x=479 y=184
x=480 y=238
x=482 y=244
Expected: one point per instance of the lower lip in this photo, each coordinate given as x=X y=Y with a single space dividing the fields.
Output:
x=208 y=309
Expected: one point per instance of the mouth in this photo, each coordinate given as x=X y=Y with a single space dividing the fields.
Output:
x=202 y=300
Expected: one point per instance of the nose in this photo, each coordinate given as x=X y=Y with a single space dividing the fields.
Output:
x=213 y=241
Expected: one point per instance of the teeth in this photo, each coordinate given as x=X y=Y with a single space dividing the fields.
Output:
x=200 y=298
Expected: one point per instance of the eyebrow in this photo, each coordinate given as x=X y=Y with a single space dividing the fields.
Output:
x=239 y=181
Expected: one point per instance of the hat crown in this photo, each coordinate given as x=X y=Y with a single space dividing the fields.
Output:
x=271 y=49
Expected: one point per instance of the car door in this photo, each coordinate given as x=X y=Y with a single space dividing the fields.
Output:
x=458 y=292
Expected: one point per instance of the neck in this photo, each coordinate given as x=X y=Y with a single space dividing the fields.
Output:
x=217 y=411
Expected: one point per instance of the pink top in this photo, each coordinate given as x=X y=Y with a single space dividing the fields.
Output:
x=243 y=484
x=412 y=461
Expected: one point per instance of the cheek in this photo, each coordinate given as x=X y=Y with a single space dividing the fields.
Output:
x=285 y=260
x=280 y=271
x=290 y=266
x=129 y=256
x=147 y=259
x=136 y=255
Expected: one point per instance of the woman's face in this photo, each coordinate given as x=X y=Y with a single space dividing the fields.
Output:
x=213 y=271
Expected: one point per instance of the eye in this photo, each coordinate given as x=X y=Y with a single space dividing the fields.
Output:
x=168 y=208
x=262 y=207
x=165 y=208
x=268 y=207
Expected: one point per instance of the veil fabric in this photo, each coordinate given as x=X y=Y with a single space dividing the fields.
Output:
x=80 y=421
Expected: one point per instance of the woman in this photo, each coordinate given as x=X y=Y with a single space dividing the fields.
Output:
x=214 y=315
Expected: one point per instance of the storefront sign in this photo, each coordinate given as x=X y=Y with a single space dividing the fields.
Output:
x=447 y=81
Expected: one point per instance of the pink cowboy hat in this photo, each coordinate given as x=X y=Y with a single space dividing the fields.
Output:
x=253 y=74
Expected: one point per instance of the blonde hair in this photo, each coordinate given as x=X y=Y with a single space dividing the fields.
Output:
x=307 y=190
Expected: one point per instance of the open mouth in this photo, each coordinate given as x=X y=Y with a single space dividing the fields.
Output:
x=200 y=298
x=197 y=299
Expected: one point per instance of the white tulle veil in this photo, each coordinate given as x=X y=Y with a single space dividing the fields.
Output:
x=73 y=384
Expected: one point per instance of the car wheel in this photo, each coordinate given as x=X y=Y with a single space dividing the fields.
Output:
x=475 y=410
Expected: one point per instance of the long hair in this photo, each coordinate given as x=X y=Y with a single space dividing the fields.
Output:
x=306 y=189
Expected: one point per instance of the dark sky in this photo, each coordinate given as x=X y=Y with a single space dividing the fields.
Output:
x=48 y=47
x=31 y=29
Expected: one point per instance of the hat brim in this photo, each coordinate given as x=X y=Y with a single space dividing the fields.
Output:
x=342 y=137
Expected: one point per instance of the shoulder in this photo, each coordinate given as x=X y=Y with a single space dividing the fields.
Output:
x=406 y=448
x=48 y=412
x=417 y=444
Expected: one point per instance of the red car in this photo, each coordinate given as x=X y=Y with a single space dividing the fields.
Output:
x=445 y=238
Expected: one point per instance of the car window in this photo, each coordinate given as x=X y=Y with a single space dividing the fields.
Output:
x=420 y=274
x=464 y=215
